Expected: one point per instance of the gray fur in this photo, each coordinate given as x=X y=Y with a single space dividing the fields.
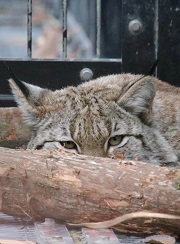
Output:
x=145 y=113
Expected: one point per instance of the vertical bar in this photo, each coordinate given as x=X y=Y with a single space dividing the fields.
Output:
x=29 y=28
x=64 y=21
x=98 y=28
x=156 y=29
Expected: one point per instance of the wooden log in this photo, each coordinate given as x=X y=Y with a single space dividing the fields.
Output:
x=75 y=188
x=13 y=131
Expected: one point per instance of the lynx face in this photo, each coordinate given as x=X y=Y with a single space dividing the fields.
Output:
x=104 y=117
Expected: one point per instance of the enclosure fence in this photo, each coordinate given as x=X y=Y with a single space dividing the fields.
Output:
x=64 y=29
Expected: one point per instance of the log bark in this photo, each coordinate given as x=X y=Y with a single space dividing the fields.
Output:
x=75 y=188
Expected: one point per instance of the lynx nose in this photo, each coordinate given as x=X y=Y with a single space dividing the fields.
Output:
x=95 y=152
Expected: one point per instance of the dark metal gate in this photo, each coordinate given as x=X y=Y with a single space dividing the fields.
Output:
x=125 y=36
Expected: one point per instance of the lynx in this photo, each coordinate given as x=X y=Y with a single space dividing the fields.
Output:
x=132 y=115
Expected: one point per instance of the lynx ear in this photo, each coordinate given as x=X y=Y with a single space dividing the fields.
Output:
x=139 y=97
x=29 y=99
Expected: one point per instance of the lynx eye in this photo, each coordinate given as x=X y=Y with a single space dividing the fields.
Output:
x=68 y=144
x=115 y=140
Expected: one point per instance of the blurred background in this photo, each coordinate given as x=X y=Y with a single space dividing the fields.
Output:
x=47 y=28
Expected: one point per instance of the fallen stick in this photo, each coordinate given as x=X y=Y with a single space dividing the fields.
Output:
x=125 y=217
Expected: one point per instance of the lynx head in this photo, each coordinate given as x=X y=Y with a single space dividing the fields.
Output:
x=101 y=117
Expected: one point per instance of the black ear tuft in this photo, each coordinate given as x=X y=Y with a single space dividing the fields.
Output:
x=153 y=67
x=19 y=83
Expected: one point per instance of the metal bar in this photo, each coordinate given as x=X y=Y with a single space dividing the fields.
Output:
x=98 y=28
x=29 y=29
x=91 y=60
x=156 y=28
x=64 y=23
x=6 y=97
